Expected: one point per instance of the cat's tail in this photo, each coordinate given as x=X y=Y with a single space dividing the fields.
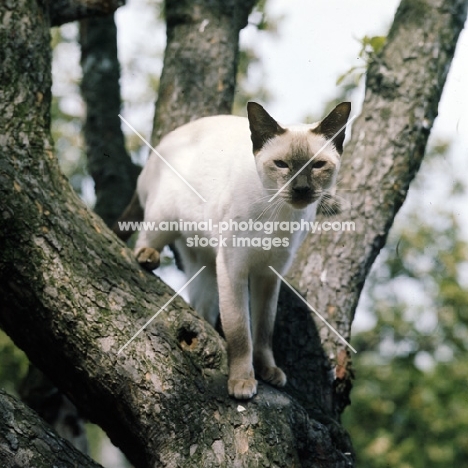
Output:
x=132 y=214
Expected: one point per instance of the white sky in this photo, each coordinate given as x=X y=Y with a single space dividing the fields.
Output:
x=319 y=40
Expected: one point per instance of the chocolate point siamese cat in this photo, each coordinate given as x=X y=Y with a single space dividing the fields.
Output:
x=249 y=170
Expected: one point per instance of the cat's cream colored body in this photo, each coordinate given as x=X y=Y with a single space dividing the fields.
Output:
x=214 y=155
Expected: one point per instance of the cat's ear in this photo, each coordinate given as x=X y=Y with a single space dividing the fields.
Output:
x=263 y=127
x=332 y=123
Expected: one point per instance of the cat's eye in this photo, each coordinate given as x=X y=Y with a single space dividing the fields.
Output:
x=318 y=164
x=280 y=164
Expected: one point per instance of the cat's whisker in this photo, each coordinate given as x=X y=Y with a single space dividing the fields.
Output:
x=268 y=207
x=279 y=207
x=274 y=207
x=345 y=201
x=327 y=211
x=265 y=197
x=342 y=199
x=332 y=204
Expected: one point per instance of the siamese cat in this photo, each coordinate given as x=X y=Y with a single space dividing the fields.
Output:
x=246 y=170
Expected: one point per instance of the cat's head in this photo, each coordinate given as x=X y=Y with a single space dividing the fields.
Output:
x=300 y=161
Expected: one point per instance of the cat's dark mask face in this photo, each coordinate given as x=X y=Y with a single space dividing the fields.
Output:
x=301 y=171
x=298 y=163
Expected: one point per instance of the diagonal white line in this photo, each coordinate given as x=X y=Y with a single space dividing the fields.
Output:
x=311 y=159
x=311 y=308
x=161 y=158
x=161 y=309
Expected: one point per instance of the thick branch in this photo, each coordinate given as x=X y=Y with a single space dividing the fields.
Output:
x=26 y=441
x=65 y=276
x=404 y=85
x=200 y=61
x=109 y=164
x=72 y=296
x=65 y=11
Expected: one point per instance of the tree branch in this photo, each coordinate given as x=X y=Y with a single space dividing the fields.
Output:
x=26 y=441
x=109 y=163
x=73 y=295
x=65 y=11
x=70 y=290
x=200 y=62
x=404 y=85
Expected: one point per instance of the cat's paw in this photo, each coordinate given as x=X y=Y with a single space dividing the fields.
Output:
x=242 y=389
x=273 y=375
x=148 y=258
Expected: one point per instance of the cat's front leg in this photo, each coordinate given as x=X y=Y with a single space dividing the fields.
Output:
x=149 y=245
x=264 y=290
x=234 y=310
x=148 y=258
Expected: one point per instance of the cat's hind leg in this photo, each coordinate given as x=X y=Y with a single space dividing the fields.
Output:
x=203 y=290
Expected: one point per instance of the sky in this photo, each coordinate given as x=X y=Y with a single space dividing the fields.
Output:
x=317 y=41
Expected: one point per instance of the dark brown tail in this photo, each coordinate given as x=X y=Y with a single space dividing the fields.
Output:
x=134 y=212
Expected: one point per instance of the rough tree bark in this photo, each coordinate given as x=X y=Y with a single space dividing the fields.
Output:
x=200 y=62
x=26 y=441
x=72 y=295
x=64 y=11
x=403 y=89
x=109 y=164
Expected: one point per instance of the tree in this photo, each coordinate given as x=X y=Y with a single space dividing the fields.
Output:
x=403 y=88
x=72 y=294
x=26 y=440
x=420 y=335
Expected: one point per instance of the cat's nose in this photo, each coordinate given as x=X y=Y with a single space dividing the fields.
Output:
x=301 y=186
x=301 y=190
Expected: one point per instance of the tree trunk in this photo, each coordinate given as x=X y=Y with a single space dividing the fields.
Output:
x=200 y=62
x=65 y=11
x=109 y=164
x=403 y=89
x=26 y=441
x=115 y=177
x=73 y=295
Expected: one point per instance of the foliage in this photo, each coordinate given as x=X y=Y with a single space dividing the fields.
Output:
x=408 y=404
x=370 y=48
x=14 y=364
